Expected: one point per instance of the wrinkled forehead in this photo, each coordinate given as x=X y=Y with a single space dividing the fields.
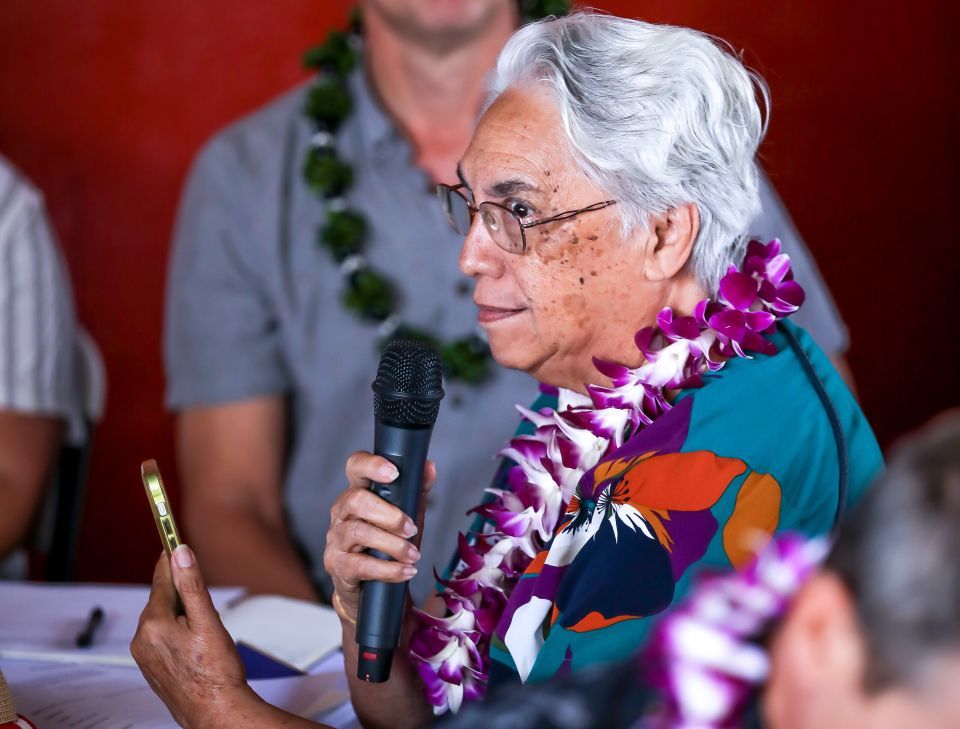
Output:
x=520 y=132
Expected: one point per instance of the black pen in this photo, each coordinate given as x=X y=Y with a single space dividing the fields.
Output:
x=85 y=636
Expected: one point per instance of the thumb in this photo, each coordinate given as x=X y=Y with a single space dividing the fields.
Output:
x=197 y=603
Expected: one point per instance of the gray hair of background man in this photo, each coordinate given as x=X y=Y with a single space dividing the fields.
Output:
x=899 y=555
x=658 y=115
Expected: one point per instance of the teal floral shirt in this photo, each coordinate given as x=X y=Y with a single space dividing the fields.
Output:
x=749 y=454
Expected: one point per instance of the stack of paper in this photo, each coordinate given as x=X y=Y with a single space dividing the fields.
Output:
x=38 y=654
x=41 y=621
x=64 y=696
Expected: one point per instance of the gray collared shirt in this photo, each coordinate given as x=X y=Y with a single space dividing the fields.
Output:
x=254 y=308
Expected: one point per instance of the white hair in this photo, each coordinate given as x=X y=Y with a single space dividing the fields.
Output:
x=658 y=115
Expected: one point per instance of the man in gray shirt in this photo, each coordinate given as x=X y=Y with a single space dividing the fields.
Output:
x=270 y=374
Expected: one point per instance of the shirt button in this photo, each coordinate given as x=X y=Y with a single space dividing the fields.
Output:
x=462 y=288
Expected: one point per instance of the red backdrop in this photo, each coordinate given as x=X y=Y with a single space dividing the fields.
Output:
x=103 y=103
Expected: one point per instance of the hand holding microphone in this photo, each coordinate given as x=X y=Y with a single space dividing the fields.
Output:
x=373 y=521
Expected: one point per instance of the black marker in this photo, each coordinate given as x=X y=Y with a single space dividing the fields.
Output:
x=85 y=636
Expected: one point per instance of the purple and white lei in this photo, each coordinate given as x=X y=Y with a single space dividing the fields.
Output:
x=705 y=657
x=452 y=653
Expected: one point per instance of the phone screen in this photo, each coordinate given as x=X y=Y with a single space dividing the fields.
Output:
x=160 y=505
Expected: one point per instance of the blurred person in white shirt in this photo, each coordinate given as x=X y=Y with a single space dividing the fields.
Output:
x=39 y=392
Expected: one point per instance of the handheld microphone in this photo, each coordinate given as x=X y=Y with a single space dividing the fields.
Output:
x=406 y=400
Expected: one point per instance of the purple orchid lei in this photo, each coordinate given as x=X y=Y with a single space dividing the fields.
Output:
x=452 y=653
x=706 y=657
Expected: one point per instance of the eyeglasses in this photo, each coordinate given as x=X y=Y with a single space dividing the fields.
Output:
x=503 y=224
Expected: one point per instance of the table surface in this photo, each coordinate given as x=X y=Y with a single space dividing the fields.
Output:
x=57 y=685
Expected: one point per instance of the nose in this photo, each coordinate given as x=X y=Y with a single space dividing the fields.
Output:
x=480 y=256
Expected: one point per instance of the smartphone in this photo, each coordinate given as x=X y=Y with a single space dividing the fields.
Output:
x=160 y=505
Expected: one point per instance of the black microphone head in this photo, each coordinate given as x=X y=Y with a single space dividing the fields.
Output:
x=409 y=384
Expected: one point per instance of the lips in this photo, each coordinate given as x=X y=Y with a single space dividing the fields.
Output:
x=490 y=314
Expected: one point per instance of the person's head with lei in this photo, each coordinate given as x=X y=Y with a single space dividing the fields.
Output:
x=604 y=252
x=368 y=291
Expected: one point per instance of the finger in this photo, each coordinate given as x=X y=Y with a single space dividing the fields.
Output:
x=429 y=476
x=363 y=467
x=367 y=506
x=163 y=596
x=197 y=603
x=356 y=535
x=356 y=567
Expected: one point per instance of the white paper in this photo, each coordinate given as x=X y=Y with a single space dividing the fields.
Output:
x=58 y=685
x=75 y=696
x=41 y=621
x=83 y=696
x=338 y=714
x=297 y=633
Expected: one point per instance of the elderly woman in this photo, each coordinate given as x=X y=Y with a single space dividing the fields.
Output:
x=604 y=199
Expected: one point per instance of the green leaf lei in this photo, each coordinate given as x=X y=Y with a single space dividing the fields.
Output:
x=367 y=292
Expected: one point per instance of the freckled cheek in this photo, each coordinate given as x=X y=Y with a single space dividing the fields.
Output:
x=599 y=280
x=577 y=316
x=561 y=307
x=545 y=247
x=562 y=281
x=582 y=266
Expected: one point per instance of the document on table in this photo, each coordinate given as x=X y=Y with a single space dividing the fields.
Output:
x=296 y=632
x=61 y=696
x=41 y=621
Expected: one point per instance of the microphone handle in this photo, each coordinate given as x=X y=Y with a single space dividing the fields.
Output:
x=380 y=613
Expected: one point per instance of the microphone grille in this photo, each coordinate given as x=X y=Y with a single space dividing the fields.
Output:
x=409 y=384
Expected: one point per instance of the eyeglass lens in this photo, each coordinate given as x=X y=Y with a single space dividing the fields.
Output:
x=503 y=227
x=457 y=210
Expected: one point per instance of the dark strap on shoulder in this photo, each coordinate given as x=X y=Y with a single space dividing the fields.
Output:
x=838 y=436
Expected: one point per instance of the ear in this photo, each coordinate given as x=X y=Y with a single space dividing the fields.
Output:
x=674 y=233
x=818 y=654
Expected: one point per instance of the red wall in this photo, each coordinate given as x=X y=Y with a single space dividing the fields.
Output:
x=104 y=102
